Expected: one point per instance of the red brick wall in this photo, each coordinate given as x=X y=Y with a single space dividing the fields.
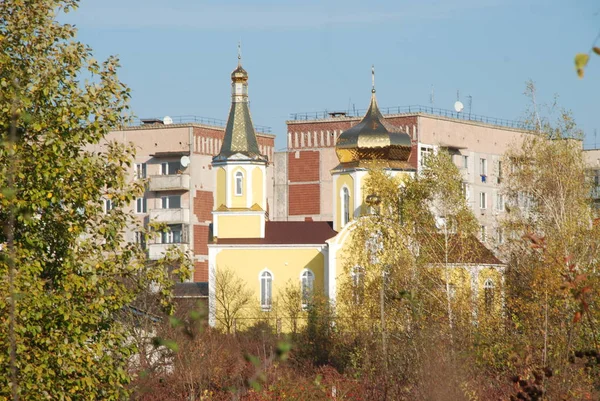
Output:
x=203 y=203
x=305 y=167
x=201 y=271
x=200 y=239
x=304 y=199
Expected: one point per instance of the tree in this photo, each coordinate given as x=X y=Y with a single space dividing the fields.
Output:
x=552 y=251
x=66 y=270
x=290 y=302
x=231 y=298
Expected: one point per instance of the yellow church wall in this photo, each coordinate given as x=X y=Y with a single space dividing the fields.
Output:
x=285 y=264
x=221 y=184
x=238 y=200
x=238 y=226
x=257 y=187
x=348 y=181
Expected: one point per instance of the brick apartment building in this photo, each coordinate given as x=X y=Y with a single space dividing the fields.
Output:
x=176 y=160
x=303 y=186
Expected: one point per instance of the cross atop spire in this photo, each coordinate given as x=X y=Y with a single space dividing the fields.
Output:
x=372 y=79
x=239 y=53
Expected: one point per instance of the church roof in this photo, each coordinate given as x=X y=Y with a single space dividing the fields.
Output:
x=461 y=250
x=288 y=233
x=373 y=139
x=240 y=137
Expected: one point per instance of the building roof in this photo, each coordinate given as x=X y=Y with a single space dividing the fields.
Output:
x=373 y=138
x=190 y=290
x=240 y=137
x=288 y=233
x=461 y=250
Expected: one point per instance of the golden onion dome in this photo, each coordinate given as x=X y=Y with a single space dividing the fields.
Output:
x=239 y=74
x=373 y=140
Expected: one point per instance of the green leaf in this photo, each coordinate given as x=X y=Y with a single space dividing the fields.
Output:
x=581 y=60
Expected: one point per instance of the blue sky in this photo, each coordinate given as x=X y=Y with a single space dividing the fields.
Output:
x=309 y=55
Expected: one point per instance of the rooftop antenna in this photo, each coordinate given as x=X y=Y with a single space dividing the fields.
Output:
x=595 y=136
x=432 y=96
x=469 y=104
x=372 y=79
x=458 y=106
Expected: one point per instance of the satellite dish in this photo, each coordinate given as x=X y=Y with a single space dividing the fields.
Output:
x=458 y=106
x=167 y=120
x=185 y=161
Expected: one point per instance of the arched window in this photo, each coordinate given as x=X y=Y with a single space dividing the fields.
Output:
x=488 y=294
x=357 y=273
x=239 y=180
x=345 y=206
x=266 y=290
x=308 y=280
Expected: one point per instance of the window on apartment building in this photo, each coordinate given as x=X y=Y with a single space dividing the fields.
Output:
x=140 y=239
x=499 y=171
x=140 y=205
x=424 y=153
x=140 y=170
x=266 y=290
x=499 y=202
x=466 y=190
x=171 y=202
x=308 y=280
x=488 y=294
x=108 y=205
x=345 y=206
x=483 y=166
x=239 y=183
x=500 y=236
x=170 y=168
x=173 y=235
x=483 y=200
x=465 y=161
x=483 y=233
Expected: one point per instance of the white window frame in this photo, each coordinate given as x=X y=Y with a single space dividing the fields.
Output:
x=265 y=278
x=483 y=200
x=483 y=166
x=500 y=236
x=307 y=286
x=345 y=205
x=465 y=161
x=140 y=170
x=165 y=200
x=499 y=202
x=139 y=238
x=466 y=190
x=107 y=205
x=239 y=183
x=141 y=205
x=424 y=152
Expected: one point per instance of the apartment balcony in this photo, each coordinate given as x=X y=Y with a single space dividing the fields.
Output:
x=173 y=182
x=157 y=251
x=170 y=216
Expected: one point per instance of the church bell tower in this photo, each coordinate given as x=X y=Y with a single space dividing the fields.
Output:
x=240 y=196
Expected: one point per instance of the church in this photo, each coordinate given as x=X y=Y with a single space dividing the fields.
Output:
x=267 y=255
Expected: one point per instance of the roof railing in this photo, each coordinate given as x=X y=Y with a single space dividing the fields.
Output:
x=186 y=119
x=412 y=110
